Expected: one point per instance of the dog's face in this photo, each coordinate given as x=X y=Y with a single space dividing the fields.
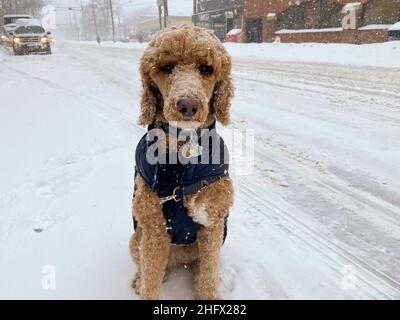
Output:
x=186 y=76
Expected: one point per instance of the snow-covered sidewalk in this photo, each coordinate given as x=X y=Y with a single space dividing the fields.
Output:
x=320 y=209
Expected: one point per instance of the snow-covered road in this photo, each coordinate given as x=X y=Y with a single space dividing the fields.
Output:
x=317 y=218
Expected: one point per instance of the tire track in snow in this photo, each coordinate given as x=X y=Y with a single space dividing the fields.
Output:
x=337 y=76
x=316 y=241
x=104 y=109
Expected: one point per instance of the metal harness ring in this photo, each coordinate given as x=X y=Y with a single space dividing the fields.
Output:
x=174 y=197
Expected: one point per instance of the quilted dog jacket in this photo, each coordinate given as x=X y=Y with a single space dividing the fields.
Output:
x=180 y=179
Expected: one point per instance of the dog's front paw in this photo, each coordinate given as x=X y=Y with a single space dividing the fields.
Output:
x=208 y=296
x=149 y=295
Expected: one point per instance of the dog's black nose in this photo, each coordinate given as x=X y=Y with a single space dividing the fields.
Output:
x=188 y=107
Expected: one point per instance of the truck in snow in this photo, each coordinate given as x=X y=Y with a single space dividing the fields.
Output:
x=30 y=37
x=10 y=21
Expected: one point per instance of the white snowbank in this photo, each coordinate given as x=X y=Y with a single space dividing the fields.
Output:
x=377 y=54
x=287 y=31
x=375 y=27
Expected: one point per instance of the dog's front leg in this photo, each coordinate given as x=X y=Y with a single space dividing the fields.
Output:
x=209 y=241
x=154 y=252
x=209 y=207
x=154 y=243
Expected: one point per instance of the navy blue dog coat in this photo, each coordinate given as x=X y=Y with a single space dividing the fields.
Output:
x=181 y=179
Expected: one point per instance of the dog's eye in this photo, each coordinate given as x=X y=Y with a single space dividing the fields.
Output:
x=206 y=69
x=168 y=68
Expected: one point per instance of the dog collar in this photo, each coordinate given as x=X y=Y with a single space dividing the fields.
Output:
x=176 y=131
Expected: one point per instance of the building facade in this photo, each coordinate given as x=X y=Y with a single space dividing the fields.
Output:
x=218 y=15
x=263 y=18
x=259 y=18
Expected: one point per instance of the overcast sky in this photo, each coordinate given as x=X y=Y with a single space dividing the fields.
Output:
x=176 y=7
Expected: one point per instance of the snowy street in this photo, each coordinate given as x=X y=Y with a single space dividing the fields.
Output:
x=317 y=218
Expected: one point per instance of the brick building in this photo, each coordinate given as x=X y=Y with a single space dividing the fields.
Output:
x=264 y=20
x=219 y=15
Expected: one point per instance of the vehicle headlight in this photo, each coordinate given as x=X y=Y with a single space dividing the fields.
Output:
x=17 y=40
x=43 y=40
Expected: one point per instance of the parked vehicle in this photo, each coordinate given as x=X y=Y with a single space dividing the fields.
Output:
x=31 y=38
x=4 y=37
x=10 y=21
x=394 y=32
x=233 y=35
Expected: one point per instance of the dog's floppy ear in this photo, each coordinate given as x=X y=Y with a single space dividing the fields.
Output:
x=224 y=91
x=148 y=104
x=150 y=99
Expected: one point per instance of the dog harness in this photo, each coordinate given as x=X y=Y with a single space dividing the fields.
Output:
x=173 y=180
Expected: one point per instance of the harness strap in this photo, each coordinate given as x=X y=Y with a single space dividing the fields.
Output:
x=182 y=191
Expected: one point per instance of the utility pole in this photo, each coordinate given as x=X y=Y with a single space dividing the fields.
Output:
x=71 y=27
x=159 y=5
x=73 y=22
x=119 y=24
x=162 y=6
x=81 y=19
x=95 y=23
x=112 y=20
x=165 y=5
x=76 y=26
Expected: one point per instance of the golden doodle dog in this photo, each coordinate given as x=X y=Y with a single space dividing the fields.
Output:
x=180 y=208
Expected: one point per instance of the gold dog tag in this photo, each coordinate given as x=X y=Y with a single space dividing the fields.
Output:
x=191 y=150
